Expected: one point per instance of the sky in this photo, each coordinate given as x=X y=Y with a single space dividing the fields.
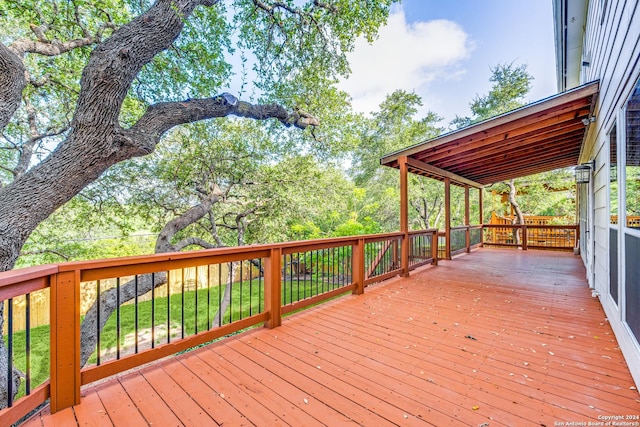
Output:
x=443 y=50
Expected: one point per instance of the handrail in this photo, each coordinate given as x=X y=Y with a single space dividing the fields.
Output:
x=278 y=278
x=23 y=282
x=460 y=227
x=427 y=231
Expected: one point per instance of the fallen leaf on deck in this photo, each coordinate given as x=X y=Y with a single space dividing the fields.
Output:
x=475 y=408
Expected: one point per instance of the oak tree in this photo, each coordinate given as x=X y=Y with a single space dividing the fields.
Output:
x=87 y=84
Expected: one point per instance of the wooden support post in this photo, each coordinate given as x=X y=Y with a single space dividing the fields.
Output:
x=64 y=297
x=467 y=233
x=357 y=264
x=447 y=217
x=273 y=288
x=404 y=214
x=481 y=217
x=524 y=237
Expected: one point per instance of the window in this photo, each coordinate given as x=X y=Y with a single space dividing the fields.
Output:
x=613 y=214
x=632 y=163
x=613 y=176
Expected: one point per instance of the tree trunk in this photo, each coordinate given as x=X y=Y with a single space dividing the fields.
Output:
x=108 y=300
x=108 y=304
x=12 y=82
x=4 y=368
x=519 y=217
x=225 y=303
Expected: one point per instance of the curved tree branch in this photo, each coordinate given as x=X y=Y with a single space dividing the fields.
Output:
x=161 y=117
x=194 y=214
x=49 y=48
x=115 y=63
x=193 y=241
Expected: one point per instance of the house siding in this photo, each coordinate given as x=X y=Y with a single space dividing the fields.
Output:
x=612 y=47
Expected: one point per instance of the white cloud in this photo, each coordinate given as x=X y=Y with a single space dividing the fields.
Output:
x=405 y=56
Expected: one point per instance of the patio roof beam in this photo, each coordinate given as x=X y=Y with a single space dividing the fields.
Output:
x=435 y=172
x=548 y=134
x=525 y=116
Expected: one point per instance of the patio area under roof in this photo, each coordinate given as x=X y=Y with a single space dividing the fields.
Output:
x=538 y=137
x=498 y=337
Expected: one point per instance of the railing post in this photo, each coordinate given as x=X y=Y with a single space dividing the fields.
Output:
x=467 y=237
x=395 y=255
x=65 y=340
x=524 y=237
x=434 y=247
x=357 y=264
x=273 y=288
x=404 y=254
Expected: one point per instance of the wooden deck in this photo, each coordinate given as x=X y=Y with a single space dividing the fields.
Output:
x=494 y=338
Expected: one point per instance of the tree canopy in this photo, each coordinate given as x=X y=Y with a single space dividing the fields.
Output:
x=511 y=84
x=92 y=83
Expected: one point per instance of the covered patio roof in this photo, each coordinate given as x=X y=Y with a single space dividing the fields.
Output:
x=538 y=137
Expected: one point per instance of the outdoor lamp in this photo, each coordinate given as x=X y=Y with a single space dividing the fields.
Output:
x=583 y=173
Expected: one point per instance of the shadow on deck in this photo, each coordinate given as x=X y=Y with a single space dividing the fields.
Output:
x=495 y=338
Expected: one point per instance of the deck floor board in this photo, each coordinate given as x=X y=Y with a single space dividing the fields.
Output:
x=497 y=336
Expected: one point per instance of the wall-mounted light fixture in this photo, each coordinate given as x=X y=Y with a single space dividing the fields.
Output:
x=586 y=120
x=583 y=172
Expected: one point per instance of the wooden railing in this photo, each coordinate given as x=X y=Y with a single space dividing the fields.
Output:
x=149 y=307
x=464 y=238
x=632 y=221
x=423 y=248
x=475 y=236
x=459 y=243
x=550 y=237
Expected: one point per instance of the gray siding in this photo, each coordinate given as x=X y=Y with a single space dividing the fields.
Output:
x=612 y=46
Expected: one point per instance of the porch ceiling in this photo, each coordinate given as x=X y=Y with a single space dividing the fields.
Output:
x=539 y=137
